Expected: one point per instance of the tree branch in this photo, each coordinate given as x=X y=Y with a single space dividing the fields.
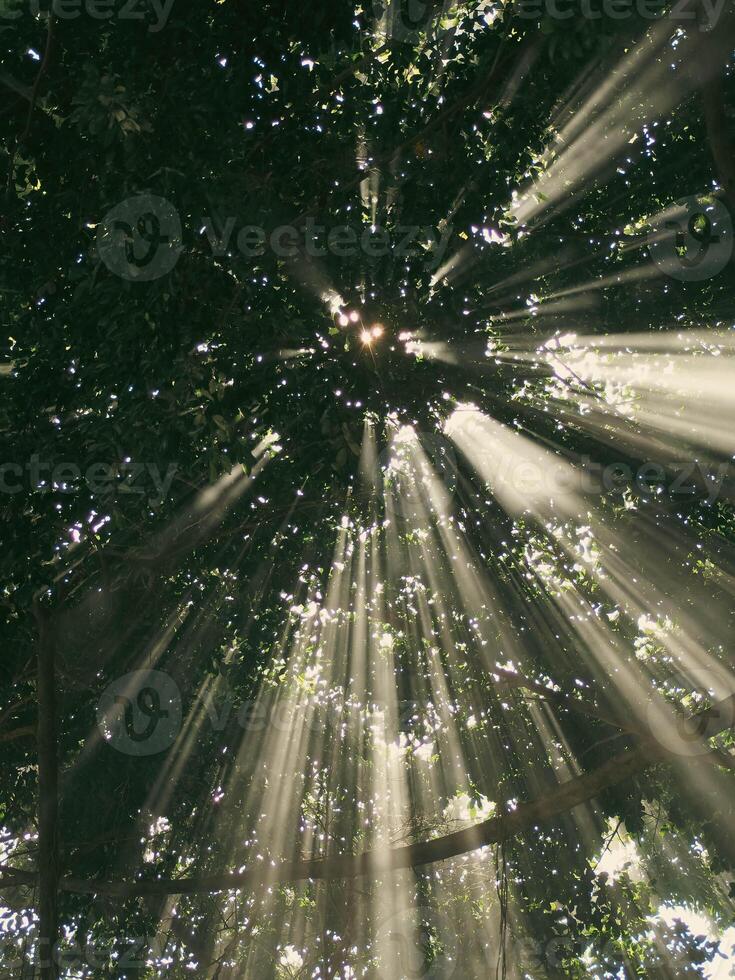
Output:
x=559 y=800
x=32 y=100
x=17 y=733
x=24 y=91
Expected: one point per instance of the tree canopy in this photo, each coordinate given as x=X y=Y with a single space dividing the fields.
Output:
x=369 y=545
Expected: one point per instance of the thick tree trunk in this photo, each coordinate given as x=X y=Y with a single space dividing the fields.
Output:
x=718 y=135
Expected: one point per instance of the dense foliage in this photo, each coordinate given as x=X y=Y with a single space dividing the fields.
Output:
x=190 y=463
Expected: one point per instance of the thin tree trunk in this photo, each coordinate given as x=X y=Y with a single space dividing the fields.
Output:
x=48 y=844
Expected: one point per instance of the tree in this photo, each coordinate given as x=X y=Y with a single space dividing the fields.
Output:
x=369 y=535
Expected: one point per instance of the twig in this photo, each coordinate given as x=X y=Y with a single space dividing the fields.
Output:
x=33 y=98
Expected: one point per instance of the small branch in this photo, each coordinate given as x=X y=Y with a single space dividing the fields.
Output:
x=583 y=707
x=39 y=76
x=32 y=101
x=12 y=708
x=16 y=876
x=24 y=91
x=608 y=842
x=17 y=733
